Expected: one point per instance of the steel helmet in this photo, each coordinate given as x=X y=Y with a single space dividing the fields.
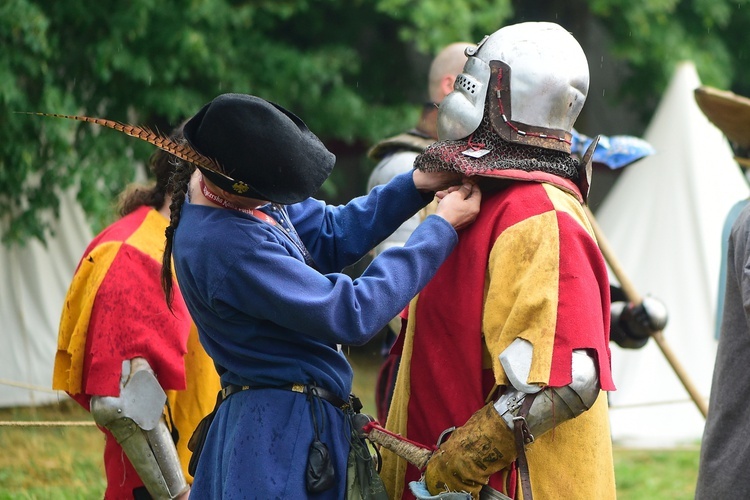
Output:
x=535 y=76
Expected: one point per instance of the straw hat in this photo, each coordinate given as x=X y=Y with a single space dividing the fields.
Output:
x=731 y=114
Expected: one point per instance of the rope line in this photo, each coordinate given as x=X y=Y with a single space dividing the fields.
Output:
x=21 y=423
x=73 y=423
x=651 y=403
x=22 y=385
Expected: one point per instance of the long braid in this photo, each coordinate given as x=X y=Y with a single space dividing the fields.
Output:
x=178 y=186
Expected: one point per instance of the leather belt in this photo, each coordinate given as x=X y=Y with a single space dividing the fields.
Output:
x=300 y=388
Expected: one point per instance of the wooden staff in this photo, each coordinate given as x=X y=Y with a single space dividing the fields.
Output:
x=635 y=298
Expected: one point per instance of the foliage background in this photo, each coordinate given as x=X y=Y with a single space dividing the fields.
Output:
x=354 y=70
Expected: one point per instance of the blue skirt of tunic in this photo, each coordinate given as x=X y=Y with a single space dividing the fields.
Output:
x=258 y=444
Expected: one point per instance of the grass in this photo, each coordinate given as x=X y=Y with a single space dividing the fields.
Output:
x=65 y=462
x=656 y=474
x=50 y=462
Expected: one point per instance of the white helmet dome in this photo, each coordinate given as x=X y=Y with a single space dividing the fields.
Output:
x=536 y=78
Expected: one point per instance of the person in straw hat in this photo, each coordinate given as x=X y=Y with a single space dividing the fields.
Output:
x=511 y=335
x=724 y=455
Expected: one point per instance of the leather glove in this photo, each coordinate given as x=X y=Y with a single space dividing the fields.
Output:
x=473 y=452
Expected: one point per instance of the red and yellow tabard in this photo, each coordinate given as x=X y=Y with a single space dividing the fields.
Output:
x=529 y=268
x=115 y=310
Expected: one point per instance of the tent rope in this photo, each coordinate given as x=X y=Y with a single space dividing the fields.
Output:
x=20 y=423
x=650 y=403
x=73 y=423
x=22 y=385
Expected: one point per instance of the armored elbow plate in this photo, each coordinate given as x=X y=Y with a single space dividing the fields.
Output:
x=554 y=405
x=136 y=419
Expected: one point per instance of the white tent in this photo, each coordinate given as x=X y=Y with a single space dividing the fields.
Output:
x=663 y=218
x=33 y=283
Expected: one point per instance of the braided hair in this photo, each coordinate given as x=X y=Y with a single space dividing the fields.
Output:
x=178 y=186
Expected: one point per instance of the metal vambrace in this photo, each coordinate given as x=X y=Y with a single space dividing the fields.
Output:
x=554 y=405
x=136 y=419
x=486 y=443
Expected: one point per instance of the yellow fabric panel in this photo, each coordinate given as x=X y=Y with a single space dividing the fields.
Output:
x=197 y=400
x=149 y=238
x=574 y=460
x=575 y=457
x=394 y=467
x=566 y=202
x=76 y=314
x=522 y=287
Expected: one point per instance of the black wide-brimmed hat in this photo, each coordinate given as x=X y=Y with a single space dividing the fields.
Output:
x=260 y=149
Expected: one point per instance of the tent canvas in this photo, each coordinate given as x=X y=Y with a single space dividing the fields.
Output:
x=33 y=280
x=663 y=219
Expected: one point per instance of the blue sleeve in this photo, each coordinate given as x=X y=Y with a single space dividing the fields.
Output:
x=266 y=282
x=338 y=236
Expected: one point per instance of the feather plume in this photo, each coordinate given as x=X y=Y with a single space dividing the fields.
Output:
x=182 y=151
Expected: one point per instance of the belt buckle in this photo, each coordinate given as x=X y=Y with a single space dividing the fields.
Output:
x=298 y=388
x=231 y=389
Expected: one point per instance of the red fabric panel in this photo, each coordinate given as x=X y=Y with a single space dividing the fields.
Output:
x=118 y=231
x=579 y=308
x=448 y=352
x=129 y=319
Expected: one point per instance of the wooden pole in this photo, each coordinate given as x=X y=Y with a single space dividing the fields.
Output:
x=635 y=297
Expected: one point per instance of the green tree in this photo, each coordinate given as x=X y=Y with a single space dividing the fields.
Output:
x=353 y=69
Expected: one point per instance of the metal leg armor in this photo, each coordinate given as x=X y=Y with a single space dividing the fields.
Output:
x=136 y=419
